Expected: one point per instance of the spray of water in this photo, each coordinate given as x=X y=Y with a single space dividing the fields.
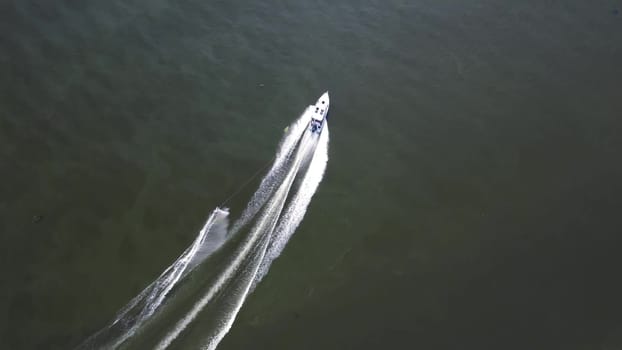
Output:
x=131 y=317
x=269 y=219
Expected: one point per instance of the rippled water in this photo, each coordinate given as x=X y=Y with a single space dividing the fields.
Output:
x=472 y=198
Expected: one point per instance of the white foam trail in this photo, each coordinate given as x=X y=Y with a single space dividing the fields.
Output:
x=265 y=225
x=298 y=207
x=275 y=175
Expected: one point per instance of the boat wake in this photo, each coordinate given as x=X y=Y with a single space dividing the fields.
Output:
x=194 y=302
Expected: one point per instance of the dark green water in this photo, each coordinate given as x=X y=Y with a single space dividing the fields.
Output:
x=471 y=200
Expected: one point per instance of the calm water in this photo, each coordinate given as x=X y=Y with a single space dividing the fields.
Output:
x=471 y=200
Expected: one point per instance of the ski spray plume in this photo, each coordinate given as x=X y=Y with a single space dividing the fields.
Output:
x=143 y=306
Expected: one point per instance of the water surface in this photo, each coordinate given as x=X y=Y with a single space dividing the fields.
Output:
x=471 y=199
